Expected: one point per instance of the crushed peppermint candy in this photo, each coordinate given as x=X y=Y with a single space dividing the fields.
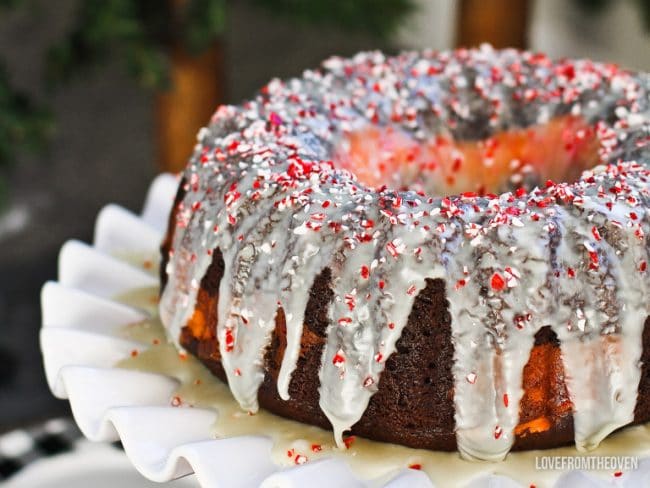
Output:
x=373 y=169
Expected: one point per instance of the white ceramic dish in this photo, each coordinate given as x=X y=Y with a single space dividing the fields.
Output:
x=80 y=348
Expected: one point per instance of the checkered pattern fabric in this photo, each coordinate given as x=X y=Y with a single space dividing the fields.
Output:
x=20 y=447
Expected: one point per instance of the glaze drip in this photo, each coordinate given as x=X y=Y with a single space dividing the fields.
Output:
x=263 y=188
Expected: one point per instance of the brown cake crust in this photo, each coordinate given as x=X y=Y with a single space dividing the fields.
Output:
x=414 y=405
x=166 y=244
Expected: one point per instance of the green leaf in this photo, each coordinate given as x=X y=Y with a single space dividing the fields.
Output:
x=377 y=17
x=644 y=7
x=593 y=6
x=599 y=6
x=10 y=3
x=203 y=22
x=105 y=29
x=147 y=64
x=23 y=124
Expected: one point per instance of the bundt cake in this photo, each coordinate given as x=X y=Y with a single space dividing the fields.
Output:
x=442 y=250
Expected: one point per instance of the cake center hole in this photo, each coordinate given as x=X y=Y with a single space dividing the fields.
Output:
x=388 y=157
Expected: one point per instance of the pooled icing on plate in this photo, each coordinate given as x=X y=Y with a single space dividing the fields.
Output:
x=296 y=443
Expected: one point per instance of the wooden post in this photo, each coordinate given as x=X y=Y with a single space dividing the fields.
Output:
x=502 y=23
x=184 y=108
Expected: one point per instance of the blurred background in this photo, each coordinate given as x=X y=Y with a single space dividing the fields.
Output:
x=97 y=96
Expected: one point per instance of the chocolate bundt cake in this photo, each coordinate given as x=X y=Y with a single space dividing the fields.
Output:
x=441 y=250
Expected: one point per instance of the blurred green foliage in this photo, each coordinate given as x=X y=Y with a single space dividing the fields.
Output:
x=140 y=31
x=378 y=17
x=138 y=34
x=24 y=123
x=598 y=6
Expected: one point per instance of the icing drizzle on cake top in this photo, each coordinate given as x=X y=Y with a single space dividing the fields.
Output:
x=263 y=187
